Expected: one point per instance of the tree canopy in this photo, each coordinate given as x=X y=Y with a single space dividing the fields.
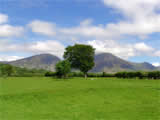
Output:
x=81 y=57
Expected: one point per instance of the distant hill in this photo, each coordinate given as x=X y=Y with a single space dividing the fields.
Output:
x=106 y=62
x=42 y=61
x=144 y=66
x=22 y=72
x=3 y=62
x=158 y=68
x=109 y=63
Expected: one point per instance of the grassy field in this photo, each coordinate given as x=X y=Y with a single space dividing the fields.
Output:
x=79 y=99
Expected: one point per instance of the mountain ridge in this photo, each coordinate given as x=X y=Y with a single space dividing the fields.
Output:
x=104 y=62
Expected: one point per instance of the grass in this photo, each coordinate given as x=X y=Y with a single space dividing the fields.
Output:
x=79 y=99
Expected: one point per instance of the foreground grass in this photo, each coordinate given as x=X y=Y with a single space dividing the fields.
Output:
x=79 y=99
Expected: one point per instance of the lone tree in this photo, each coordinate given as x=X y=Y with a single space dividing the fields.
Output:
x=81 y=57
x=63 y=68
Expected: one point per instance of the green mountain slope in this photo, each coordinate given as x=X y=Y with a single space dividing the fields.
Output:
x=22 y=72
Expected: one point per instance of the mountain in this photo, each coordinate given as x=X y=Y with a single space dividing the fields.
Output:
x=106 y=62
x=42 y=61
x=109 y=63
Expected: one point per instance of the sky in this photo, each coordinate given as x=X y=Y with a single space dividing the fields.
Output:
x=129 y=29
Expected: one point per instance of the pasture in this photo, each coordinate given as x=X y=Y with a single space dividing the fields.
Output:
x=40 y=98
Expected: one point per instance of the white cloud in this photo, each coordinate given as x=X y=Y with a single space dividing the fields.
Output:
x=9 y=31
x=141 y=19
x=140 y=28
x=86 y=22
x=143 y=47
x=122 y=50
x=42 y=27
x=156 y=64
x=134 y=8
x=3 y=18
x=141 y=16
x=86 y=29
x=157 y=53
x=9 y=58
x=50 y=46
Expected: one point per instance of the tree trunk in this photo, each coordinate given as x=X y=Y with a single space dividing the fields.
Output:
x=85 y=75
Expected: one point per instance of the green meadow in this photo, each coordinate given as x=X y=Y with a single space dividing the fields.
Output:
x=40 y=98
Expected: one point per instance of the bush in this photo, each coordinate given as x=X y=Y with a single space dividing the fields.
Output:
x=94 y=74
x=108 y=74
x=50 y=74
x=154 y=75
x=140 y=75
x=7 y=70
x=76 y=74
x=120 y=75
x=100 y=75
x=63 y=68
x=80 y=74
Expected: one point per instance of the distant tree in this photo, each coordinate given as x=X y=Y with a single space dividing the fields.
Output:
x=63 y=68
x=7 y=70
x=81 y=57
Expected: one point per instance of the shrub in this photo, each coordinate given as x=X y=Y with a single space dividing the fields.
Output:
x=130 y=75
x=7 y=70
x=50 y=74
x=63 y=68
x=76 y=74
x=154 y=75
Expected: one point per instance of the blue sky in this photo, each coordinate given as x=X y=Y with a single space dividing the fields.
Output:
x=129 y=29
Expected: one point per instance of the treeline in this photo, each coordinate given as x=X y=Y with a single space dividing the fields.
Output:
x=80 y=74
x=140 y=75
x=7 y=70
x=124 y=75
